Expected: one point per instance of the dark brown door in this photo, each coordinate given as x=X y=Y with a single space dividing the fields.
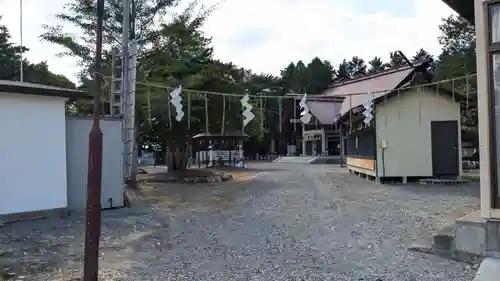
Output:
x=444 y=141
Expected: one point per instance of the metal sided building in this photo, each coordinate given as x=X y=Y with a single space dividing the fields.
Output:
x=414 y=132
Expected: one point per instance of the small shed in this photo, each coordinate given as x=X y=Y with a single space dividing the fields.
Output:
x=33 y=149
x=415 y=132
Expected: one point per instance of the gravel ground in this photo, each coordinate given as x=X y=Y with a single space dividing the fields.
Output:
x=295 y=222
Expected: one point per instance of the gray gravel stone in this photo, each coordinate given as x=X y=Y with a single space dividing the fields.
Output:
x=299 y=222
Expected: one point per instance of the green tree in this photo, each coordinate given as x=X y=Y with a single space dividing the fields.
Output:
x=457 y=35
x=396 y=60
x=39 y=73
x=344 y=71
x=10 y=58
x=458 y=59
x=182 y=55
x=422 y=55
x=358 y=67
x=301 y=78
x=287 y=77
x=81 y=14
x=320 y=75
x=377 y=65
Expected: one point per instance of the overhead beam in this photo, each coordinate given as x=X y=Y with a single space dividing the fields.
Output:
x=464 y=8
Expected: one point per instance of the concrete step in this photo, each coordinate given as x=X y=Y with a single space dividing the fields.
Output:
x=443 y=240
x=465 y=240
x=470 y=233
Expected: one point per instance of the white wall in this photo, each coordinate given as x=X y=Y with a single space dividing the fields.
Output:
x=77 y=157
x=32 y=153
x=405 y=123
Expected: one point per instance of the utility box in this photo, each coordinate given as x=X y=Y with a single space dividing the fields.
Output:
x=77 y=145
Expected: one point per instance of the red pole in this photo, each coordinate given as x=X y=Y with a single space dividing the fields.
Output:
x=93 y=216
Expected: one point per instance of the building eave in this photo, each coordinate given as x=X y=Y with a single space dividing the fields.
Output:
x=15 y=87
x=465 y=8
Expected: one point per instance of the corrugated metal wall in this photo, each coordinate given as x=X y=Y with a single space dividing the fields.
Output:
x=361 y=144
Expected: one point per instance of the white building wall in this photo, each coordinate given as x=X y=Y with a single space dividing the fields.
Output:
x=405 y=124
x=77 y=146
x=32 y=153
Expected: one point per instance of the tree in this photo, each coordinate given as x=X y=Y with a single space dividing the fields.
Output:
x=287 y=77
x=458 y=42
x=81 y=14
x=458 y=59
x=40 y=74
x=10 y=58
x=358 y=67
x=377 y=65
x=422 y=55
x=301 y=78
x=320 y=75
x=344 y=71
x=312 y=78
x=396 y=60
x=182 y=55
x=458 y=35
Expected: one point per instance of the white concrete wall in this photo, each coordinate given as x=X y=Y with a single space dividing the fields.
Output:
x=77 y=157
x=32 y=153
x=405 y=123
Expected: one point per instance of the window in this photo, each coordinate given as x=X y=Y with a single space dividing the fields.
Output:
x=494 y=92
x=495 y=96
x=494 y=13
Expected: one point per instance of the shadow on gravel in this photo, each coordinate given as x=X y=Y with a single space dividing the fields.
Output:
x=52 y=248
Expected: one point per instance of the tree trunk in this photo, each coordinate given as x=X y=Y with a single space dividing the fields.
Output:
x=169 y=158
x=176 y=158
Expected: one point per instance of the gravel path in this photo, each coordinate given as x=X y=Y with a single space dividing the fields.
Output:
x=303 y=222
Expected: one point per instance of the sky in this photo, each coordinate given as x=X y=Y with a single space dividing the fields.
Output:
x=266 y=35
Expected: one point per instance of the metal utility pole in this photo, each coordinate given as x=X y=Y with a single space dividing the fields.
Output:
x=93 y=216
x=129 y=64
x=21 y=40
x=133 y=167
x=125 y=98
